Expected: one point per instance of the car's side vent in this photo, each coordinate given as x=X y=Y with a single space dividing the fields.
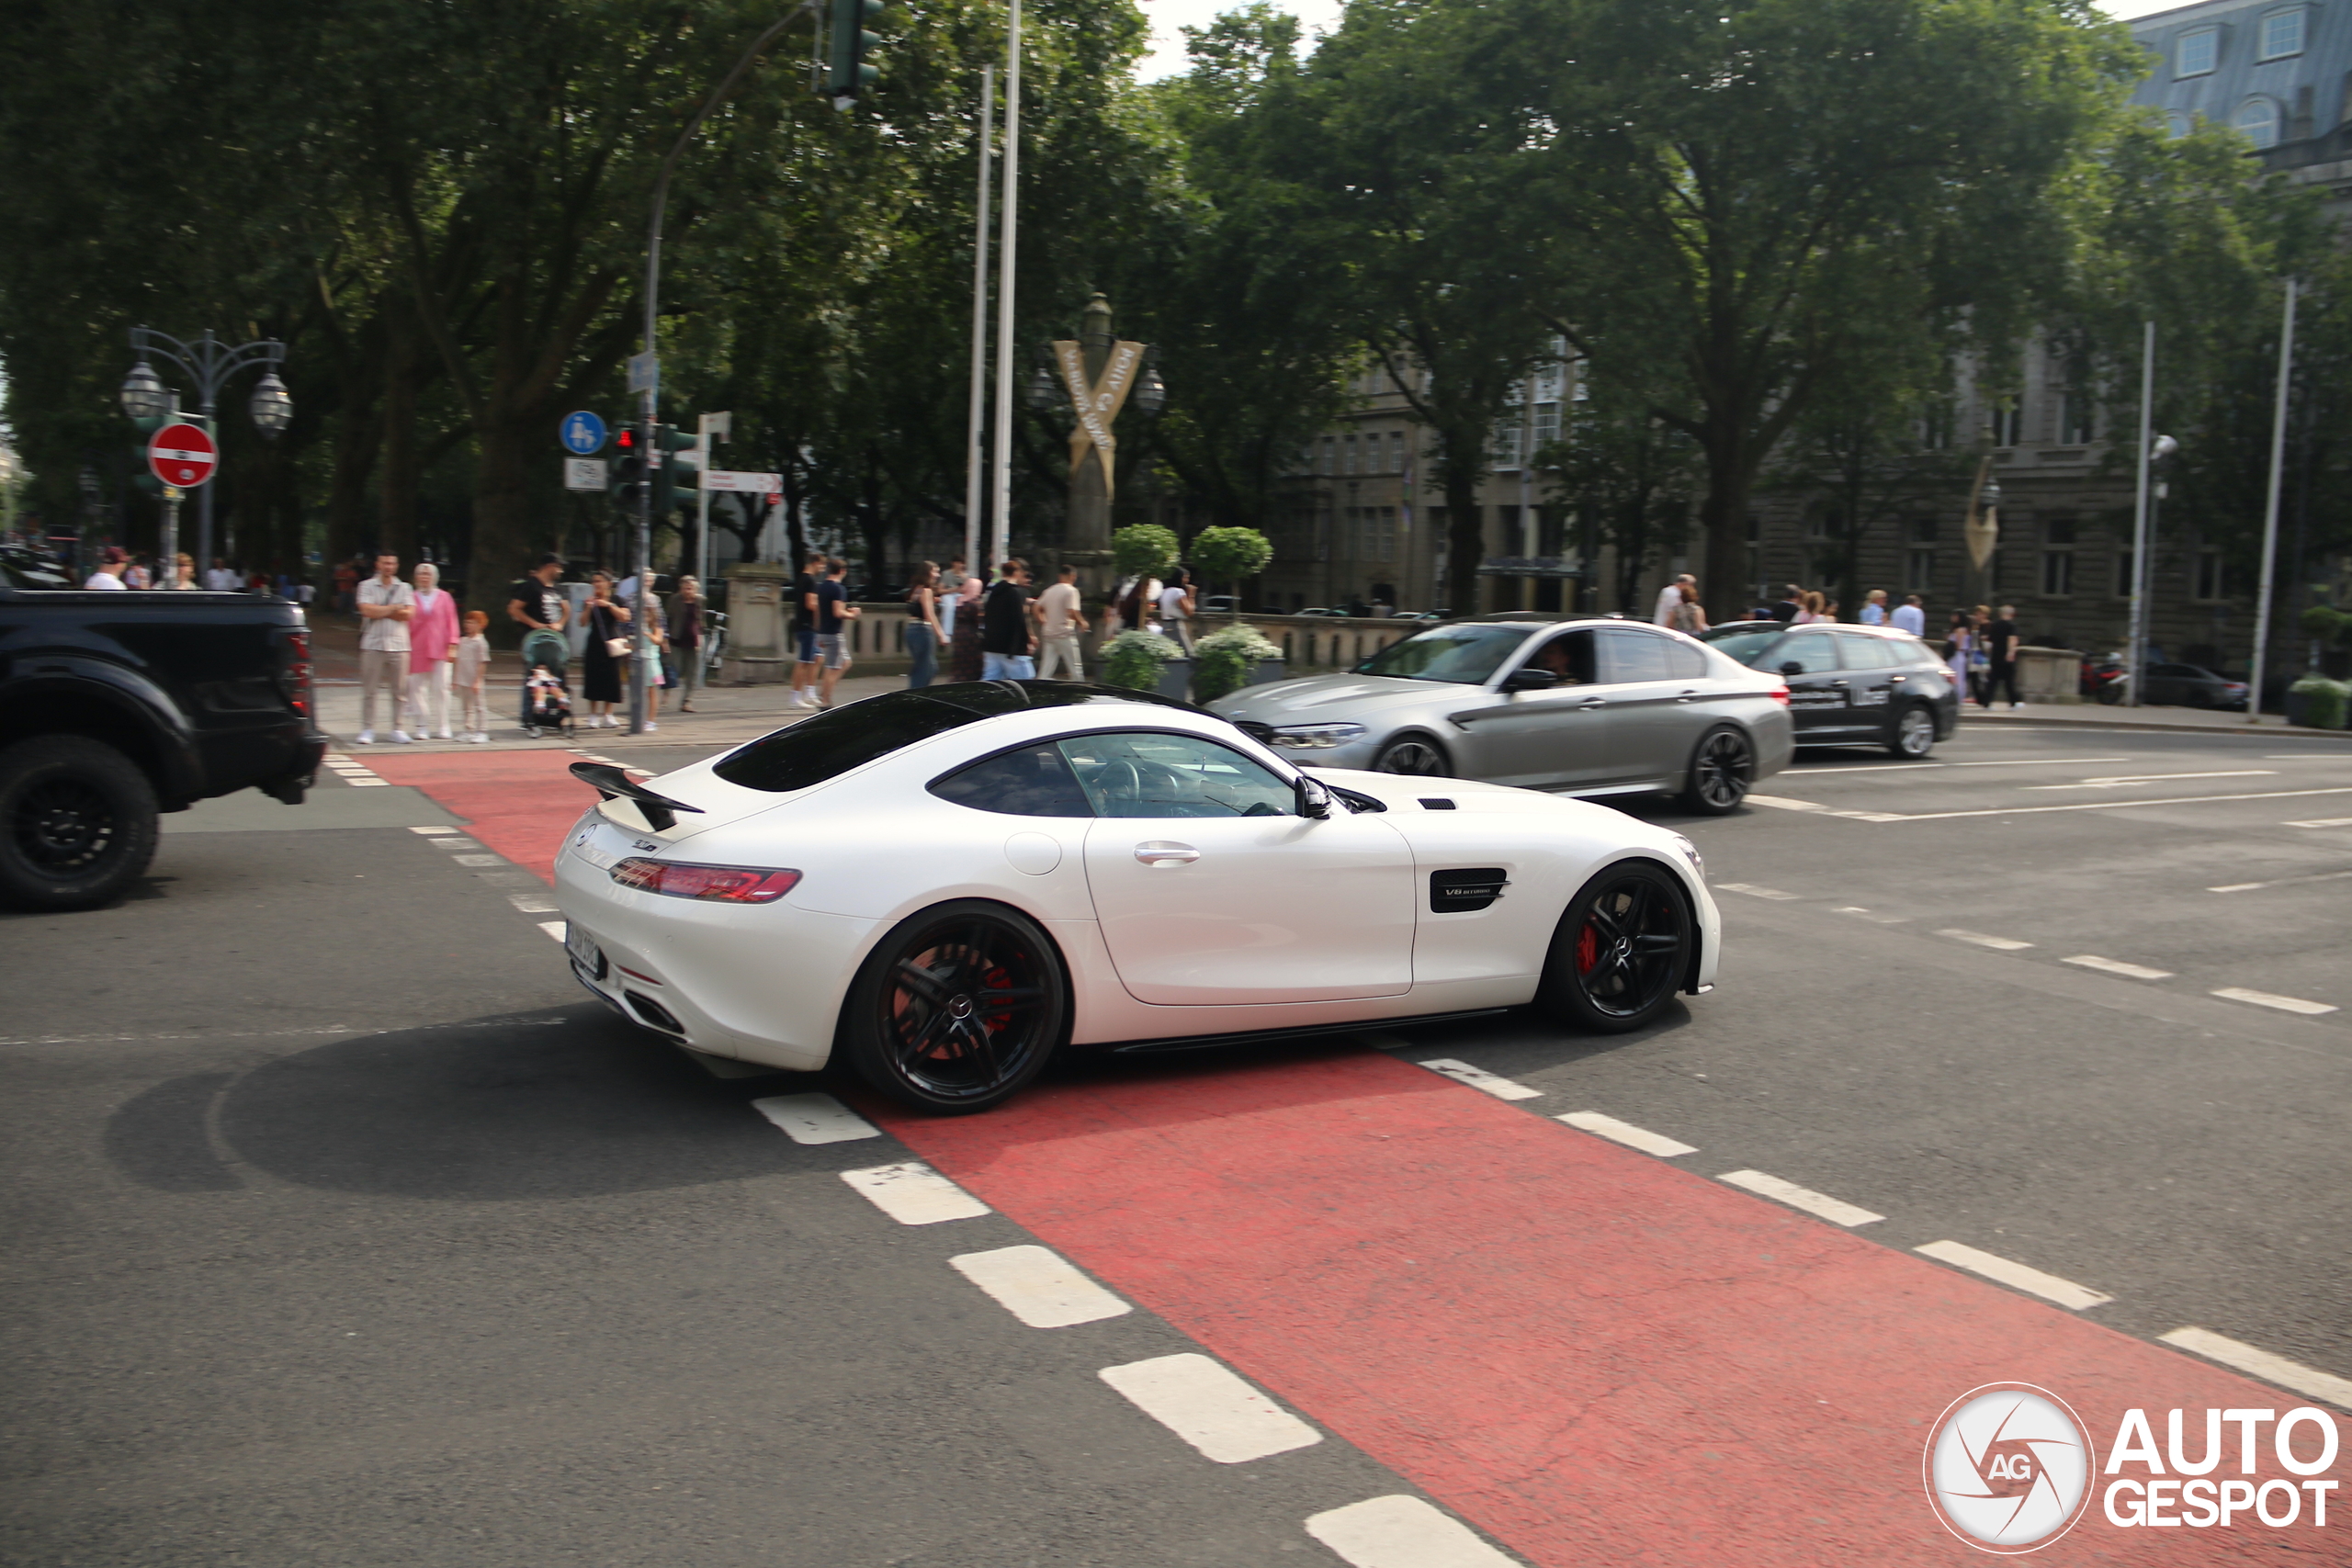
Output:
x=1436 y=803
x=1461 y=892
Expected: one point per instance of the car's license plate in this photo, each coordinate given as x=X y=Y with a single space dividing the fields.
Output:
x=583 y=951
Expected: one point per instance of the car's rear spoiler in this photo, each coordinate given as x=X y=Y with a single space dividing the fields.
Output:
x=660 y=811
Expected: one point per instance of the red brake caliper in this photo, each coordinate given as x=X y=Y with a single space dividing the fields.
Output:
x=1587 y=948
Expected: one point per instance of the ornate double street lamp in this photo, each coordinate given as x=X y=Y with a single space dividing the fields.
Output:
x=208 y=363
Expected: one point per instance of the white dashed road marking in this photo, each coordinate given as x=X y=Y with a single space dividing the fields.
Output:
x=1035 y=1285
x=914 y=1194
x=553 y=929
x=2122 y=781
x=529 y=903
x=1836 y=1211
x=814 y=1119
x=2281 y=882
x=1900 y=767
x=434 y=830
x=1625 y=1132
x=479 y=859
x=1998 y=944
x=1755 y=892
x=2321 y=822
x=2310 y=1381
x=1202 y=1402
x=1402 y=1532
x=2268 y=999
x=1479 y=1078
x=2117 y=966
x=2049 y=1287
x=2105 y=805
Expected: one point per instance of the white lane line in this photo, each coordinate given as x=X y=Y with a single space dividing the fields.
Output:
x=814 y=1119
x=455 y=844
x=1755 y=892
x=1898 y=767
x=1835 y=1210
x=2281 y=882
x=335 y=756
x=2104 y=805
x=1402 y=1532
x=2306 y=756
x=1479 y=1078
x=433 y=830
x=1625 y=1132
x=2117 y=966
x=2321 y=822
x=2309 y=1381
x=479 y=859
x=914 y=1194
x=2049 y=1287
x=2269 y=1000
x=1036 y=1286
x=1868 y=915
x=368 y=784
x=2119 y=780
x=1782 y=803
x=1206 y=1405
x=533 y=904
x=1998 y=944
x=553 y=929
x=592 y=757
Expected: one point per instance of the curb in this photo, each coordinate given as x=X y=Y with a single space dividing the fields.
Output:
x=2293 y=731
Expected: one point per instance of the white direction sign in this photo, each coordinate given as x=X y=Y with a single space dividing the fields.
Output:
x=755 y=484
x=644 y=373
x=583 y=473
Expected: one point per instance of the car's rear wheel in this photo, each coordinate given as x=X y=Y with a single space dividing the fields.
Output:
x=77 y=823
x=1913 y=735
x=1620 y=951
x=957 y=1009
x=1722 y=769
x=1416 y=755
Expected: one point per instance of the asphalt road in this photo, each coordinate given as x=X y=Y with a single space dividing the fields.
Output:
x=345 y=1228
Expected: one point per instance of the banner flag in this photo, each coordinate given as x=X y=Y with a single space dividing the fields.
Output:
x=1097 y=406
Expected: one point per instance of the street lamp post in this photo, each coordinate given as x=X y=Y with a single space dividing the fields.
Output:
x=1094 y=377
x=208 y=363
x=2144 y=573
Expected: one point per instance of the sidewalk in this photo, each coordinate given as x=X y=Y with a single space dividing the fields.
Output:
x=2091 y=716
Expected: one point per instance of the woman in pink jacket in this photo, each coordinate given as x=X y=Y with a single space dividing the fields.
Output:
x=432 y=637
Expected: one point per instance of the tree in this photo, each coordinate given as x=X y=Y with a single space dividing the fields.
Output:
x=1629 y=478
x=1232 y=554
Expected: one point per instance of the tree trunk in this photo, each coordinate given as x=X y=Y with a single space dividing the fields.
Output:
x=1466 y=537
x=397 y=475
x=1722 y=521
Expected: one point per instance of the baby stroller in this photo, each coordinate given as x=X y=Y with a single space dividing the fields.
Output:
x=547 y=702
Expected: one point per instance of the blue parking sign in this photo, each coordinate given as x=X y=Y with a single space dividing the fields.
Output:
x=583 y=433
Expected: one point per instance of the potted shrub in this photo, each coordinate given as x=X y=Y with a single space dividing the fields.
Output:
x=1231 y=555
x=1146 y=662
x=1237 y=656
x=2318 y=703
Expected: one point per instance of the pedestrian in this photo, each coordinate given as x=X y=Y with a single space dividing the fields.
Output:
x=107 y=578
x=537 y=605
x=1670 y=600
x=1811 y=607
x=608 y=644
x=220 y=579
x=1874 y=608
x=804 y=632
x=2001 y=645
x=432 y=637
x=948 y=592
x=136 y=575
x=386 y=605
x=653 y=642
x=1133 y=606
x=833 y=611
x=1005 y=628
x=1978 y=661
x=685 y=639
x=470 y=675
x=1911 y=616
x=1960 y=643
x=1790 y=606
x=347 y=585
x=183 y=574
x=1688 y=615
x=924 y=635
x=1176 y=607
x=1062 y=620
x=965 y=658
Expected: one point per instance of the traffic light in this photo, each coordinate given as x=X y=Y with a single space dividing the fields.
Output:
x=629 y=467
x=679 y=459
x=848 y=77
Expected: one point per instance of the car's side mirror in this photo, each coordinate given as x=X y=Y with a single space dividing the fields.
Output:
x=1791 y=667
x=1314 y=800
x=1529 y=679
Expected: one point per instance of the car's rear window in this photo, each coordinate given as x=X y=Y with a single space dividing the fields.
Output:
x=840 y=739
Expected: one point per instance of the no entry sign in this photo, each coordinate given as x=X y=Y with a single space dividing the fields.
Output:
x=182 y=455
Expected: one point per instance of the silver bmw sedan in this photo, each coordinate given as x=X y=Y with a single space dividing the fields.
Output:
x=1583 y=706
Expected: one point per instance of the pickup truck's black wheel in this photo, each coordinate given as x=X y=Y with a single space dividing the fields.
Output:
x=77 y=822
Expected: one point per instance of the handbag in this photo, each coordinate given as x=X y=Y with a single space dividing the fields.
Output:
x=619 y=647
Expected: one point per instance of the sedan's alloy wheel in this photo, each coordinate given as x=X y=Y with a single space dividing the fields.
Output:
x=960 y=1007
x=1914 y=733
x=1418 y=758
x=1622 y=950
x=1721 y=771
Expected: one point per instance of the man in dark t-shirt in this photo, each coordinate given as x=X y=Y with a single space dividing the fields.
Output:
x=539 y=606
x=1006 y=642
x=1787 y=609
x=804 y=633
x=2001 y=642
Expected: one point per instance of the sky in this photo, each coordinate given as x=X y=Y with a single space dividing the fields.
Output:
x=1167 y=57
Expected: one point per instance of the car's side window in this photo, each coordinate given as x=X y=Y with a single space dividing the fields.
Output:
x=1637 y=655
x=1812 y=652
x=1864 y=652
x=1688 y=661
x=1569 y=656
x=1032 y=782
x=1137 y=773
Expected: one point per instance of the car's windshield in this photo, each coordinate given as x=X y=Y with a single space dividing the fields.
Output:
x=1747 y=644
x=1469 y=654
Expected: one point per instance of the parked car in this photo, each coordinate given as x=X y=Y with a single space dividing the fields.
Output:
x=115 y=706
x=1585 y=706
x=1321 y=610
x=2191 y=686
x=1851 y=684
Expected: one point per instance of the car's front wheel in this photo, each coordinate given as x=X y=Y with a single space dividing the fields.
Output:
x=1416 y=755
x=77 y=823
x=1621 y=951
x=1913 y=735
x=1721 y=771
x=957 y=1009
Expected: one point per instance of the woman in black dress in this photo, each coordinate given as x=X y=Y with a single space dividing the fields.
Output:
x=600 y=682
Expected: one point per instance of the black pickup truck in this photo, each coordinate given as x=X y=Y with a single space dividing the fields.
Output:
x=115 y=706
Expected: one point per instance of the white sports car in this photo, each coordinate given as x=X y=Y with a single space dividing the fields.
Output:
x=944 y=886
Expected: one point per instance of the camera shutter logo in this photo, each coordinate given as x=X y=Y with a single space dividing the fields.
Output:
x=2009 y=1468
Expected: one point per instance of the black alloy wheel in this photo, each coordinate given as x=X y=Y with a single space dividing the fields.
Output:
x=77 y=823
x=1620 y=951
x=1721 y=771
x=1415 y=756
x=957 y=1009
x=1913 y=735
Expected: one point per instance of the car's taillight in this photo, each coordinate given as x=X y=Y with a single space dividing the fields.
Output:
x=298 y=672
x=716 y=884
x=1779 y=693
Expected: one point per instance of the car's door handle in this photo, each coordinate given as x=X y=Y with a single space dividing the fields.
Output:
x=1163 y=851
x=1692 y=696
x=1592 y=703
x=1896 y=680
x=1837 y=682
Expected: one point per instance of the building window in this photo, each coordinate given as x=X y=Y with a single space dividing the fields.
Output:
x=2077 y=420
x=1937 y=427
x=2008 y=422
x=2176 y=124
x=1395 y=451
x=2258 y=117
x=1919 y=575
x=2282 y=33
x=2196 y=52
x=1347 y=455
x=2210 y=584
x=1547 y=424
x=2057 y=558
x=2125 y=585
x=1330 y=459
x=1507 y=435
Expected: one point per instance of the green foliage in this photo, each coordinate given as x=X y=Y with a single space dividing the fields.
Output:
x=2325 y=623
x=1218 y=672
x=1229 y=554
x=2325 y=702
x=1146 y=549
x=1240 y=635
x=1132 y=659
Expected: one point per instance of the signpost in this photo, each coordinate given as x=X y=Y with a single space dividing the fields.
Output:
x=183 y=456
x=753 y=484
x=583 y=433
x=583 y=473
